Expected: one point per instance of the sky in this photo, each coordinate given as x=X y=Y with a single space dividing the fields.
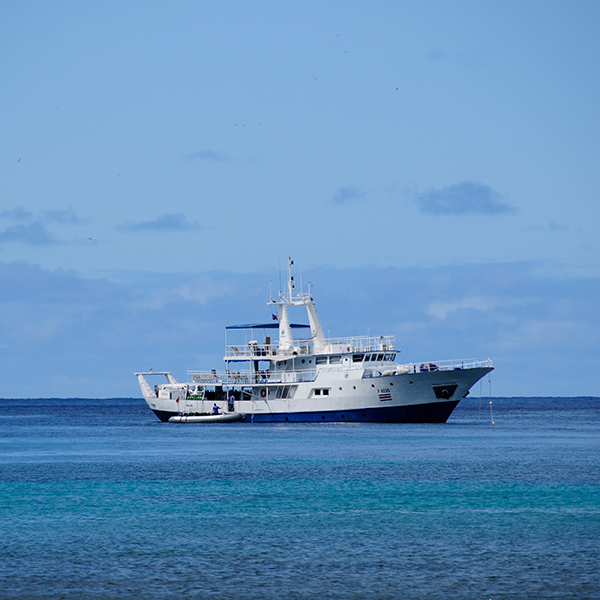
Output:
x=430 y=166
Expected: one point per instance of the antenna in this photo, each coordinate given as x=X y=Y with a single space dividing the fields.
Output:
x=291 y=284
x=280 y=287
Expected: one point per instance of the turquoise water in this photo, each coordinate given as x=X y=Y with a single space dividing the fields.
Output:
x=100 y=500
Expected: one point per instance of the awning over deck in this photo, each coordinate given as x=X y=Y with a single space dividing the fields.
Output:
x=272 y=325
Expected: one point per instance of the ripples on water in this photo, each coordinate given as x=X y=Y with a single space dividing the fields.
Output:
x=100 y=500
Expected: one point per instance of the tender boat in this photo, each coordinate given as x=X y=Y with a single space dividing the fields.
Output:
x=226 y=417
x=312 y=378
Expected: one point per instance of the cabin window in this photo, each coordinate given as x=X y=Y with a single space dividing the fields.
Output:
x=380 y=357
x=336 y=359
x=317 y=392
x=321 y=392
x=321 y=360
x=357 y=358
x=387 y=357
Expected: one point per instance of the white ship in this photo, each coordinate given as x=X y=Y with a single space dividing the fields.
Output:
x=312 y=378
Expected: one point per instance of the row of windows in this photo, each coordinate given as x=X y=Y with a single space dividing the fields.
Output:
x=378 y=357
x=335 y=359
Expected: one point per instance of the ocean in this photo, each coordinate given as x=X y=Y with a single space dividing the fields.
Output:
x=99 y=500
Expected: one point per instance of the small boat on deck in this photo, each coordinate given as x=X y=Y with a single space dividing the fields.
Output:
x=227 y=417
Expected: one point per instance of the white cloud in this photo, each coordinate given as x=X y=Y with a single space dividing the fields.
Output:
x=442 y=309
x=210 y=155
x=462 y=198
x=348 y=194
x=203 y=291
x=17 y=215
x=533 y=334
x=34 y=230
x=32 y=234
x=163 y=223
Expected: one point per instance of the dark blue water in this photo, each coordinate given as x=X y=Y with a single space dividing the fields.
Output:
x=100 y=500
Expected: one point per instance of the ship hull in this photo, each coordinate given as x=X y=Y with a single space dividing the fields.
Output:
x=437 y=412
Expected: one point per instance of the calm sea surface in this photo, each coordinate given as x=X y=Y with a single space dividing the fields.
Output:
x=98 y=499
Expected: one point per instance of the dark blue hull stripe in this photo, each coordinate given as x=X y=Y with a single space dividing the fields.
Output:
x=435 y=412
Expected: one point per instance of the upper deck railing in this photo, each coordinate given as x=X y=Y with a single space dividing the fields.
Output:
x=255 y=351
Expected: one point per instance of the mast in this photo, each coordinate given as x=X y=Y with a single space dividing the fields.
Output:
x=286 y=342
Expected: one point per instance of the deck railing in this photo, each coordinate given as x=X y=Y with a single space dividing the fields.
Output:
x=448 y=365
x=247 y=377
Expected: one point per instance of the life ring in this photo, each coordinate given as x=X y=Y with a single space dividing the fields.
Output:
x=263 y=393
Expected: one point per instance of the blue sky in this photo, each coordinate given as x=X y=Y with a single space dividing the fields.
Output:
x=431 y=166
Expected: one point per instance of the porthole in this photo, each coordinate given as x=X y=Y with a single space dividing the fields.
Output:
x=287 y=418
x=323 y=417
